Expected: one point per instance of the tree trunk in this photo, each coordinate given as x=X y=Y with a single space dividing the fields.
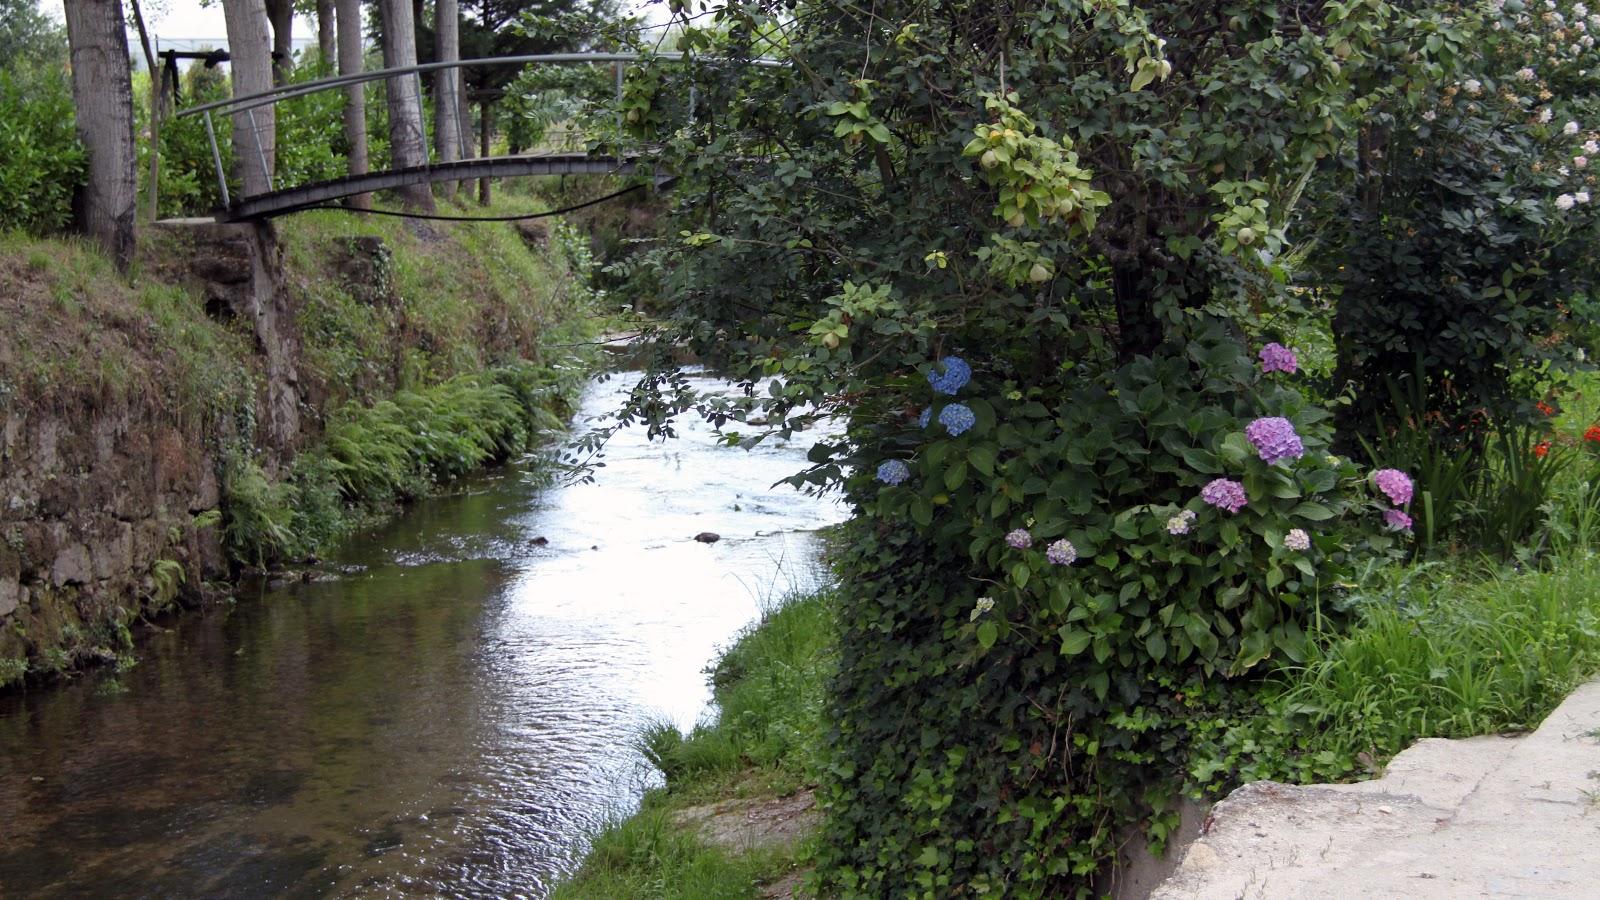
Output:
x=157 y=110
x=102 y=92
x=408 y=141
x=483 y=147
x=254 y=131
x=326 y=41
x=447 y=126
x=1138 y=330
x=281 y=14
x=352 y=62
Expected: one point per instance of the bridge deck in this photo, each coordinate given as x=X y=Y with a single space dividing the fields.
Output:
x=277 y=203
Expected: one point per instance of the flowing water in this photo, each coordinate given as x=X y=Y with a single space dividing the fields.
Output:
x=454 y=719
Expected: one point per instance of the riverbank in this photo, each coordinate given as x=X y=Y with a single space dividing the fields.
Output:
x=1438 y=651
x=246 y=396
x=736 y=808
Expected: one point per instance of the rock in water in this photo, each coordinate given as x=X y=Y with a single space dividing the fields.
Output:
x=708 y=537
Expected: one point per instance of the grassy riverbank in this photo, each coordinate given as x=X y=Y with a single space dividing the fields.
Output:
x=763 y=747
x=1445 y=649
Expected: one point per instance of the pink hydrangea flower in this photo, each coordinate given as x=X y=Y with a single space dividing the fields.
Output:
x=1397 y=520
x=1224 y=493
x=1395 y=484
x=1275 y=439
x=1275 y=357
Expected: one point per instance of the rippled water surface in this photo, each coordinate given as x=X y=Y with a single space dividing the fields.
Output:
x=452 y=720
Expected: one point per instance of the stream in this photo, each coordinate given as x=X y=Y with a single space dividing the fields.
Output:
x=454 y=718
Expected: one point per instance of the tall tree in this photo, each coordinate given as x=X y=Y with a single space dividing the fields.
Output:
x=408 y=141
x=447 y=93
x=351 y=62
x=326 y=30
x=281 y=14
x=102 y=91
x=254 y=132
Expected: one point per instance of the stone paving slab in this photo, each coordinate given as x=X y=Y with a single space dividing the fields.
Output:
x=1484 y=817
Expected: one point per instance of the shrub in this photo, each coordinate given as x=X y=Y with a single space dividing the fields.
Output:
x=41 y=162
x=1461 y=232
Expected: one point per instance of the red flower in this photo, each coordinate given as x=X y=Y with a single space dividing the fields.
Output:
x=1541 y=449
x=1593 y=434
x=1546 y=408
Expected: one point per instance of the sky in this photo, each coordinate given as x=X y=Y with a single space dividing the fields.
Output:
x=188 y=19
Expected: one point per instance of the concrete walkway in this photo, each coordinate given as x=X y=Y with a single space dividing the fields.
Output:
x=1484 y=817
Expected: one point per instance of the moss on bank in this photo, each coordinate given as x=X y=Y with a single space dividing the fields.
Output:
x=764 y=744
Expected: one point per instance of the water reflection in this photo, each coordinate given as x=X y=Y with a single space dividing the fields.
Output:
x=452 y=720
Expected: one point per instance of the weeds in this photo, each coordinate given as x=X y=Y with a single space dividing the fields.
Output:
x=1441 y=656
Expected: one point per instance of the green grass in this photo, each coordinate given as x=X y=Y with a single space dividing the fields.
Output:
x=1448 y=650
x=769 y=688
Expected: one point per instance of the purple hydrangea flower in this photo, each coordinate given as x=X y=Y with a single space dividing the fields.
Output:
x=1397 y=520
x=925 y=418
x=1019 y=539
x=893 y=472
x=1297 y=539
x=1274 y=439
x=1224 y=493
x=949 y=375
x=1395 y=484
x=1275 y=357
x=1062 y=553
x=957 y=418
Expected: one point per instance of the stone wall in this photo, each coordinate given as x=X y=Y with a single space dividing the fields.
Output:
x=95 y=493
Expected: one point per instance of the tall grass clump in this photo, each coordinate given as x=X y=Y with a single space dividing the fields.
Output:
x=390 y=452
x=651 y=857
x=1435 y=651
x=769 y=688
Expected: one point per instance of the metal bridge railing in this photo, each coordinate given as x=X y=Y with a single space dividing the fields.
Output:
x=249 y=103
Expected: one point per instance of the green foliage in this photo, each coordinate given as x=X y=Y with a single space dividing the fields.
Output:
x=768 y=690
x=392 y=451
x=1435 y=653
x=28 y=36
x=652 y=857
x=41 y=161
x=188 y=171
x=1460 y=231
x=1047 y=194
x=12 y=670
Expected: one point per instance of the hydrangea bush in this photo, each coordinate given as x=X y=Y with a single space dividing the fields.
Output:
x=1027 y=256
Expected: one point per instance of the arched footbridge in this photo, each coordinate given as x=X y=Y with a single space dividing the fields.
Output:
x=282 y=199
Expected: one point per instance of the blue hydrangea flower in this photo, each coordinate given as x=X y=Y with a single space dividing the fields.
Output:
x=957 y=418
x=949 y=375
x=925 y=418
x=1274 y=439
x=893 y=472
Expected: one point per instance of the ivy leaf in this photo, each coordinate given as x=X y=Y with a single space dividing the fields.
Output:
x=987 y=633
x=1073 y=641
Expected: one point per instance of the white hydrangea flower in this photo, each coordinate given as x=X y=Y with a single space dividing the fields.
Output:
x=1591 y=147
x=1429 y=116
x=1570 y=128
x=1566 y=202
x=1525 y=73
x=1581 y=196
x=1581 y=162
